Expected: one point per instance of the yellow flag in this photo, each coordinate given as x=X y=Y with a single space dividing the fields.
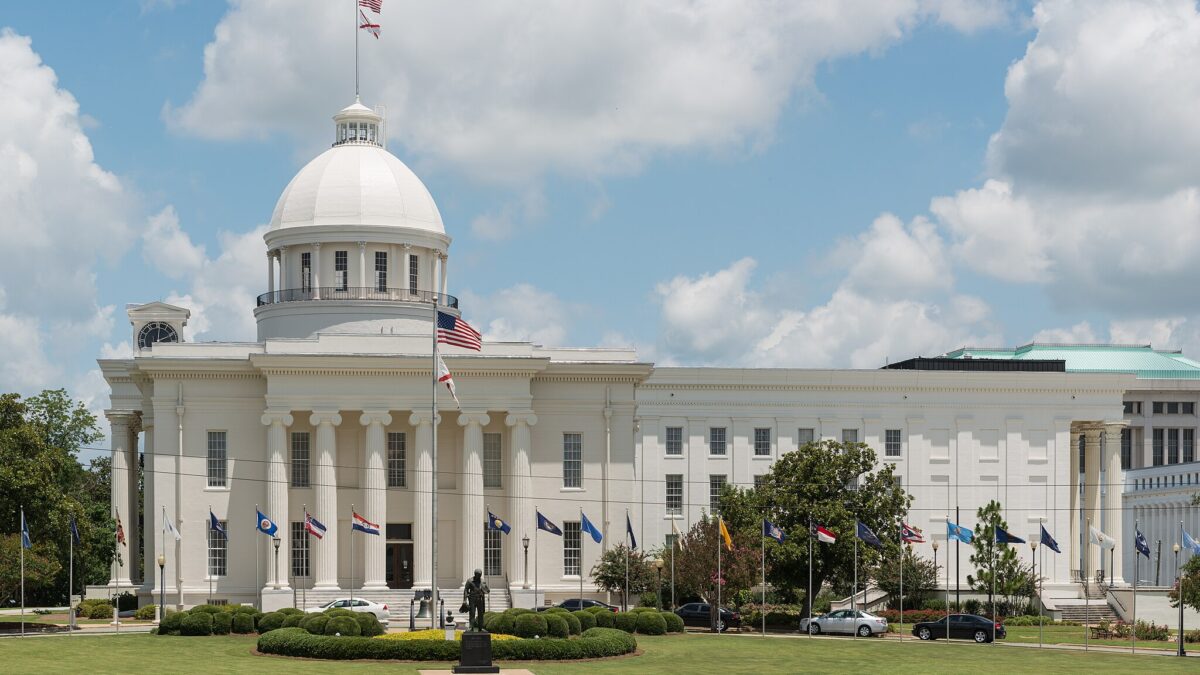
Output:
x=725 y=535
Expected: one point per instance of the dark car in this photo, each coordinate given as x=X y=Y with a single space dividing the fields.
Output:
x=962 y=626
x=573 y=604
x=698 y=614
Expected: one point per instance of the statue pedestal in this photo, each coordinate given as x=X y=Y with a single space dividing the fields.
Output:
x=476 y=653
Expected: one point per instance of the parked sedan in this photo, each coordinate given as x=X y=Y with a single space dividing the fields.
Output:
x=380 y=611
x=699 y=614
x=847 y=621
x=575 y=604
x=962 y=626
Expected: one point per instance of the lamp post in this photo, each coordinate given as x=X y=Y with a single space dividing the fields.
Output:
x=1179 y=585
x=935 y=550
x=525 y=581
x=162 y=576
x=658 y=565
x=276 y=540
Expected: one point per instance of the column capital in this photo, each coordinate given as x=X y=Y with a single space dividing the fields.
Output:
x=515 y=418
x=1091 y=434
x=320 y=417
x=362 y=245
x=422 y=417
x=125 y=417
x=468 y=418
x=370 y=417
x=317 y=245
x=283 y=249
x=283 y=417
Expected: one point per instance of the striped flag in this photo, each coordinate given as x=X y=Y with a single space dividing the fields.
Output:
x=313 y=526
x=452 y=330
x=911 y=535
x=444 y=377
x=821 y=534
x=372 y=28
x=363 y=525
x=373 y=5
x=120 y=529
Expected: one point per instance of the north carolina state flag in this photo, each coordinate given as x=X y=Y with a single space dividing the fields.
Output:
x=823 y=535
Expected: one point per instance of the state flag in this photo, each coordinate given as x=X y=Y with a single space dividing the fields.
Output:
x=363 y=525
x=586 y=525
x=495 y=523
x=544 y=523
x=265 y=524
x=772 y=530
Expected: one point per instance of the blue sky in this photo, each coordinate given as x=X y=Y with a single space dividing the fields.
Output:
x=736 y=213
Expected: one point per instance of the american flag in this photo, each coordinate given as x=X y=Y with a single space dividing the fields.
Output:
x=373 y=5
x=372 y=28
x=911 y=535
x=452 y=330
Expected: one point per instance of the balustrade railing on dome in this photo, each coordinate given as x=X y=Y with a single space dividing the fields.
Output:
x=368 y=293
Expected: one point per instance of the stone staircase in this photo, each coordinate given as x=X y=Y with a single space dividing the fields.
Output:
x=1091 y=613
x=398 y=600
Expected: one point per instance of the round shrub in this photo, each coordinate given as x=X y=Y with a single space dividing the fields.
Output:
x=245 y=609
x=574 y=627
x=643 y=610
x=338 y=611
x=98 y=610
x=517 y=611
x=170 y=623
x=595 y=609
x=673 y=622
x=651 y=623
x=243 y=623
x=196 y=623
x=368 y=625
x=289 y=610
x=270 y=621
x=292 y=620
x=207 y=609
x=345 y=626
x=625 y=621
x=146 y=612
x=604 y=619
x=555 y=610
x=501 y=623
x=488 y=616
x=586 y=619
x=314 y=623
x=556 y=626
x=529 y=625
x=222 y=623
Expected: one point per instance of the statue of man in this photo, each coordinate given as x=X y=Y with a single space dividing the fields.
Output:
x=475 y=592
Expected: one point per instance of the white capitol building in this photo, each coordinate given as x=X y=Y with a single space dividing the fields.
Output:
x=330 y=407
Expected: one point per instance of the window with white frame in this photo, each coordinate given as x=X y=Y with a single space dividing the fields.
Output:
x=1126 y=449
x=217 y=459
x=804 y=437
x=306 y=271
x=1158 y=447
x=891 y=443
x=341 y=269
x=572 y=562
x=300 y=559
x=397 y=468
x=674 y=440
x=381 y=271
x=414 y=273
x=301 y=459
x=217 y=552
x=716 y=483
x=572 y=460
x=492 y=467
x=849 y=435
x=670 y=540
x=716 y=440
x=492 y=565
x=674 y=502
x=898 y=481
x=1172 y=446
x=1189 y=445
x=762 y=441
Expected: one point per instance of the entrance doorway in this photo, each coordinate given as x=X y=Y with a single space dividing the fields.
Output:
x=399 y=565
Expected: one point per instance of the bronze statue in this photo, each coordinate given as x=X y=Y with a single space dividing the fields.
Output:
x=475 y=592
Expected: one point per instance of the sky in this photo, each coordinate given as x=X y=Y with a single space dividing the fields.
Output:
x=754 y=184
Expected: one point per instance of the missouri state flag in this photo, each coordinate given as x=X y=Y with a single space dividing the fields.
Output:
x=313 y=526
x=363 y=525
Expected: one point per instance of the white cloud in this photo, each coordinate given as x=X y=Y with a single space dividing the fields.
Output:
x=588 y=88
x=223 y=290
x=1080 y=333
x=969 y=16
x=995 y=233
x=892 y=261
x=168 y=248
x=521 y=313
x=503 y=223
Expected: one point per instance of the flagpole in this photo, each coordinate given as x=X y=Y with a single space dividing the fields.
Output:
x=763 y=560
x=1087 y=611
x=209 y=569
x=116 y=566
x=995 y=550
x=24 y=527
x=673 y=545
x=257 y=583
x=71 y=580
x=581 y=556
x=1036 y=580
x=809 y=598
x=352 y=512
x=901 y=631
x=435 y=614
x=1136 y=553
x=854 y=591
x=718 y=575
x=162 y=576
x=626 y=560
x=947 y=579
x=535 y=558
x=356 y=29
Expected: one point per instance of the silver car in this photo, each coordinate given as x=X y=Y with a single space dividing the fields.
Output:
x=381 y=612
x=845 y=621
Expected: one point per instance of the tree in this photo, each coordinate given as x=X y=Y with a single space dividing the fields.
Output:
x=920 y=578
x=609 y=572
x=1012 y=577
x=40 y=568
x=696 y=563
x=829 y=483
x=1191 y=585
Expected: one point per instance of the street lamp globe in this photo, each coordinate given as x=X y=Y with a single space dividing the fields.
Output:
x=525 y=542
x=162 y=560
x=935 y=544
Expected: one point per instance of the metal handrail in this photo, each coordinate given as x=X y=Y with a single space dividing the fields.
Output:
x=370 y=293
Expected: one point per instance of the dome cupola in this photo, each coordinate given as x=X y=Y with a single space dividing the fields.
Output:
x=358 y=124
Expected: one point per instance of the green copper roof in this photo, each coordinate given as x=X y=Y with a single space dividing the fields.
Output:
x=1141 y=360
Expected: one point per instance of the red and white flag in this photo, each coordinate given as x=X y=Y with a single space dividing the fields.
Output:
x=443 y=376
x=911 y=535
x=120 y=529
x=372 y=28
x=373 y=5
x=823 y=535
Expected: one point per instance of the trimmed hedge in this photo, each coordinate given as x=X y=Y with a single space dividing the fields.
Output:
x=243 y=622
x=674 y=623
x=501 y=623
x=517 y=611
x=337 y=611
x=625 y=621
x=586 y=619
x=221 y=623
x=594 y=609
x=270 y=621
x=208 y=609
x=530 y=625
x=345 y=626
x=292 y=620
x=604 y=619
x=198 y=623
x=146 y=612
x=368 y=625
x=556 y=626
x=594 y=643
x=96 y=608
x=573 y=625
x=314 y=623
x=643 y=610
x=290 y=610
x=171 y=623
x=651 y=623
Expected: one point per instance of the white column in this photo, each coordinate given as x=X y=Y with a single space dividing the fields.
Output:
x=277 y=423
x=473 y=515
x=283 y=272
x=325 y=498
x=119 y=426
x=423 y=500
x=1115 y=477
x=522 y=493
x=132 y=530
x=271 y=272
x=1073 y=501
x=316 y=274
x=375 y=487
x=362 y=264
x=445 y=263
x=1091 y=494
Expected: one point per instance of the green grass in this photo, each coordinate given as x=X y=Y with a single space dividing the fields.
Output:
x=679 y=654
x=1061 y=635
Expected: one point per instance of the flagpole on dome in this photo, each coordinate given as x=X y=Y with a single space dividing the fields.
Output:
x=356 y=29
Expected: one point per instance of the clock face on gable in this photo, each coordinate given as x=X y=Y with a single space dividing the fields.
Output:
x=156 y=331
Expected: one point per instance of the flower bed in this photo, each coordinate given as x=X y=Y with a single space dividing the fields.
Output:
x=437 y=634
x=594 y=643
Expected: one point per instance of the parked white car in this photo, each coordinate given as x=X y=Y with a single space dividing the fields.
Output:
x=847 y=621
x=380 y=611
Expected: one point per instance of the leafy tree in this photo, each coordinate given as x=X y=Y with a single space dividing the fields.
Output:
x=1191 y=585
x=696 y=563
x=1012 y=577
x=609 y=572
x=824 y=482
x=40 y=568
x=920 y=578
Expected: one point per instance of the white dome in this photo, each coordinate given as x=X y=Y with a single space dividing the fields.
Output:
x=357 y=184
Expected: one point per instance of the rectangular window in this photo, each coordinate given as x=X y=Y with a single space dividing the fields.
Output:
x=849 y=435
x=1126 y=449
x=572 y=460
x=300 y=564
x=1158 y=407
x=760 y=480
x=381 y=271
x=762 y=441
x=217 y=559
x=301 y=459
x=1135 y=407
x=491 y=552
x=397 y=457
x=1172 y=446
x=804 y=437
x=414 y=270
x=306 y=272
x=1158 y=447
x=674 y=440
x=217 y=459
x=674 y=494
x=891 y=443
x=1172 y=407
x=1082 y=454
x=491 y=461
x=716 y=441
x=341 y=270
x=1188 y=408
x=716 y=483
x=572 y=564
x=898 y=481
x=1189 y=445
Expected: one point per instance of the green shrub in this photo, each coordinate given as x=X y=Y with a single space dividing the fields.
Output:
x=242 y=623
x=289 y=610
x=344 y=626
x=604 y=619
x=208 y=609
x=643 y=610
x=244 y=609
x=270 y=621
x=368 y=625
x=222 y=623
x=292 y=620
x=338 y=611
x=556 y=625
x=573 y=625
x=673 y=622
x=314 y=623
x=487 y=618
x=170 y=624
x=517 y=611
x=556 y=610
x=594 y=609
x=529 y=625
x=625 y=621
x=127 y=601
x=501 y=623
x=586 y=619
x=934 y=604
x=196 y=623
x=651 y=623
x=99 y=611
x=146 y=613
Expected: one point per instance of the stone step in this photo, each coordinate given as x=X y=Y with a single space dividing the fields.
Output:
x=1092 y=613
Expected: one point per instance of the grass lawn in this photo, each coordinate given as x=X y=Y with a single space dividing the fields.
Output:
x=1065 y=635
x=63 y=619
x=679 y=654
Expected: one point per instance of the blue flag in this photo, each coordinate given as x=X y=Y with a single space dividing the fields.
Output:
x=495 y=523
x=1188 y=543
x=772 y=530
x=545 y=524
x=1140 y=544
x=958 y=532
x=1049 y=542
x=25 y=541
x=867 y=535
x=74 y=531
x=629 y=533
x=586 y=525
x=215 y=525
x=1003 y=537
x=266 y=525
